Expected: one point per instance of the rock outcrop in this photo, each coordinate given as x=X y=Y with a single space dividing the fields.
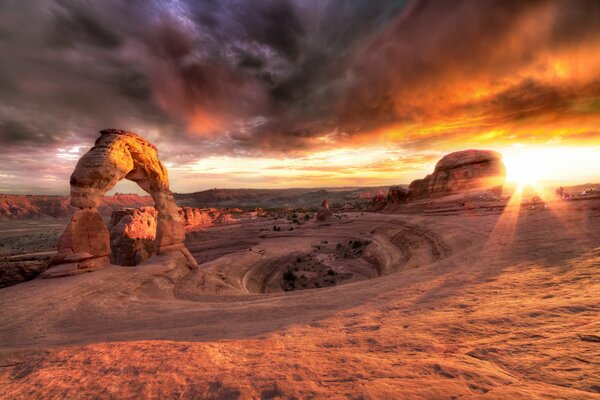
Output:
x=196 y=218
x=324 y=213
x=462 y=172
x=397 y=195
x=133 y=231
x=378 y=202
x=117 y=154
x=17 y=269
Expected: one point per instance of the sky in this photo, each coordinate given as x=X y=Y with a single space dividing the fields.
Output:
x=291 y=93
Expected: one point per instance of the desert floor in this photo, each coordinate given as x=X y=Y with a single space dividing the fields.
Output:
x=467 y=304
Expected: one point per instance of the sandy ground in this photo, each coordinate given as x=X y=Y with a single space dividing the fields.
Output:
x=30 y=236
x=461 y=305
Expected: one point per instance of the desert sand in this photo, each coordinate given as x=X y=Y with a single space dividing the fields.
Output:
x=453 y=304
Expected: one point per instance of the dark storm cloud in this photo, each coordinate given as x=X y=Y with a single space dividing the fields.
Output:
x=529 y=98
x=271 y=71
x=241 y=77
x=77 y=25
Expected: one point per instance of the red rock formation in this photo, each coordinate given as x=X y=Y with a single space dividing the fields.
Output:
x=397 y=195
x=462 y=172
x=116 y=155
x=224 y=219
x=324 y=213
x=26 y=206
x=378 y=202
x=195 y=218
x=132 y=233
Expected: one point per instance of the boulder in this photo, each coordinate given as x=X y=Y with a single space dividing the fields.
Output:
x=13 y=272
x=324 y=213
x=462 y=172
x=132 y=234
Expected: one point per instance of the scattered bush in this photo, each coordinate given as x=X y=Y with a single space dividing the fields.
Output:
x=289 y=276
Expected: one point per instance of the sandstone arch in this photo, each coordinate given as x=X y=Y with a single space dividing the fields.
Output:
x=84 y=245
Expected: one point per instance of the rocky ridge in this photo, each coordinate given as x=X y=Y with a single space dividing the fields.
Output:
x=462 y=172
x=17 y=207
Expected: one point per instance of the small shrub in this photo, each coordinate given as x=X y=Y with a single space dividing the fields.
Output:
x=289 y=276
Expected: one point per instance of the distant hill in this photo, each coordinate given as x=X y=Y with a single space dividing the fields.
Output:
x=275 y=198
x=15 y=206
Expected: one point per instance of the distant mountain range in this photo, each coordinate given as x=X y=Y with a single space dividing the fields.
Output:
x=276 y=198
x=39 y=206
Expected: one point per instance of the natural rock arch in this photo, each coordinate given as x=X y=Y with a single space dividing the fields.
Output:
x=84 y=245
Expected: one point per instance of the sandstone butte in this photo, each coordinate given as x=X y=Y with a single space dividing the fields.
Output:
x=462 y=172
x=467 y=173
x=85 y=244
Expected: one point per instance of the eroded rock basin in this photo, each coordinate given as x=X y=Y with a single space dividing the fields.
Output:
x=284 y=256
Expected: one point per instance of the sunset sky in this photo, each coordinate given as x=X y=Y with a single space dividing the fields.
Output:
x=282 y=93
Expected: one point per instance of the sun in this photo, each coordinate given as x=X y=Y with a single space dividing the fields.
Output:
x=525 y=168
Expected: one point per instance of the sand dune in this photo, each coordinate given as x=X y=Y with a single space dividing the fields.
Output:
x=460 y=305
